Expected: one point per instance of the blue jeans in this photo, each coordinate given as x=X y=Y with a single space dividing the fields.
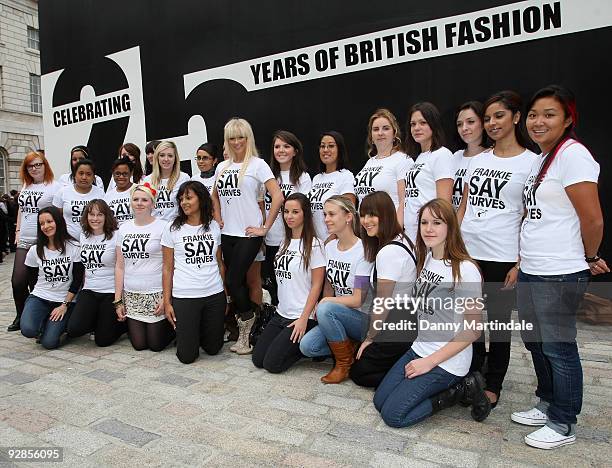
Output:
x=550 y=304
x=337 y=322
x=35 y=321
x=403 y=402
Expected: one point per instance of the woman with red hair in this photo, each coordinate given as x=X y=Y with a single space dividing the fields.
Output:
x=37 y=192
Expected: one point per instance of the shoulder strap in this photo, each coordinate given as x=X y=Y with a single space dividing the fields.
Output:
x=403 y=246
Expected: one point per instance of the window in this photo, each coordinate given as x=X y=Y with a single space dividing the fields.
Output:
x=35 y=94
x=2 y=171
x=33 y=41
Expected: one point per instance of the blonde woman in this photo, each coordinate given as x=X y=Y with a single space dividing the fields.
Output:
x=242 y=225
x=166 y=178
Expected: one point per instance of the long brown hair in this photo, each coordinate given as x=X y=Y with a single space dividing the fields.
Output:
x=308 y=230
x=454 y=247
x=379 y=204
x=110 y=222
x=134 y=150
x=298 y=166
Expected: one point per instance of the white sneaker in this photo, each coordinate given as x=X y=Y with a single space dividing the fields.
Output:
x=547 y=438
x=532 y=417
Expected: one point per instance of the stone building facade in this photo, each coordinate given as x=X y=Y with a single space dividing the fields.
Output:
x=21 y=127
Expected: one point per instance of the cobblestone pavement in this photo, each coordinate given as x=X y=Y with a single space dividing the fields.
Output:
x=119 y=407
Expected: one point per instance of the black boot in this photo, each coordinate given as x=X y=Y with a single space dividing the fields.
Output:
x=15 y=325
x=474 y=394
x=448 y=398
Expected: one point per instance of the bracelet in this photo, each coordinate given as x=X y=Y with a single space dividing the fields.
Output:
x=117 y=303
x=594 y=259
x=517 y=266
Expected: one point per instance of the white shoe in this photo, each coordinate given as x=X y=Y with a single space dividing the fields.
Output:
x=547 y=438
x=532 y=417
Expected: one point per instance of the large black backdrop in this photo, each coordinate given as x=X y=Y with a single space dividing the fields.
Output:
x=179 y=37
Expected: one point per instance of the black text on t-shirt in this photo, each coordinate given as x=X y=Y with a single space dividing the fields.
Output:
x=287 y=190
x=458 y=186
x=227 y=185
x=121 y=209
x=91 y=255
x=337 y=274
x=427 y=282
x=135 y=245
x=28 y=201
x=163 y=200
x=56 y=269
x=282 y=264
x=198 y=249
x=485 y=187
x=529 y=199
x=317 y=193
x=364 y=180
x=411 y=188
x=76 y=209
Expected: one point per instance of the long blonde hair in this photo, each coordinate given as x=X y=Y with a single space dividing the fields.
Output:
x=176 y=169
x=234 y=128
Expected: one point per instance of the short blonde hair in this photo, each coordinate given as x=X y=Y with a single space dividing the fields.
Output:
x=346 y=205
x=146 y=189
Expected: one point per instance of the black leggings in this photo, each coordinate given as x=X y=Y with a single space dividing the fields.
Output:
x=20 y=281
x=274 y=350
x=268 y=274
x=94 y=312
x=375 y=362
x=154 y=336
x=499 y=306
x=199 y=322
x=238 y=255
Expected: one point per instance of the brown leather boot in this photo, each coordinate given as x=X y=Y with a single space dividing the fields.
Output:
x=344 y=353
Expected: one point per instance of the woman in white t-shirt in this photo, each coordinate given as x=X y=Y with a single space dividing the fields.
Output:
x=138 y=274
x=288 y=166
x=37 y=192
x=433 y=374
x=300 y=268
x=193 y=274
x=118 y=197
x=76 y=154
x=94 y=311
x=559 y=240
x=57 y=275
x=387 y=163
x=431 y=175
x=490 y=214
x=241 y=220
x=334 y=178
x=392 y=253
x=470 y=129
x=340 y=322
x=166 y=179
x=72 y=199
x=207 y=157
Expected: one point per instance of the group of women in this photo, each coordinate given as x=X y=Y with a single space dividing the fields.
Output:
x=160 y=256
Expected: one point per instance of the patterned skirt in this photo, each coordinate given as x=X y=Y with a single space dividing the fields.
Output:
x=141 y=306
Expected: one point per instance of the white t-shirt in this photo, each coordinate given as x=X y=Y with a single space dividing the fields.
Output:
x=239 y=208
x=142 y=255
x=381 y=175
x=393 y=263
x=207 y=182
x=54 y=272
x=276 y=234
x=494 y=210
x=461 y=163
x=72 y=204
x=421 y=180
x=342 y=267
x=31 y=200
x=434 y=288
x=294 y=283
x=196 y=271
x=64 y=180
x=120 y=204
x=166 y=206
x=551 y=240
x=324 y=186
x=98 y=256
